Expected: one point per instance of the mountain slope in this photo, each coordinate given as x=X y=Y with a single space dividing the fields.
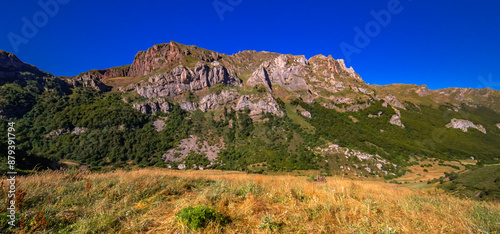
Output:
x=182 y=106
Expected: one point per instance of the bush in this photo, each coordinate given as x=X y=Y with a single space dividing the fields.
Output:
x=268 y=223
x=200 y=216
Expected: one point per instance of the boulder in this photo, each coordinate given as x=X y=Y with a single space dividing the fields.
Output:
x=464 y=125
x=306 y=114
x=159 y=125
x=396 y=120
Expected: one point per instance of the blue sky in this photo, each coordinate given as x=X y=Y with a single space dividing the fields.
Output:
x=438 y=43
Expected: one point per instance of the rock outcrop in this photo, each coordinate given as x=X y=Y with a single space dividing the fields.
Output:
x=192 y=144
x=375 y=116
x=370 y=163
x=90 y=80
x=287 y=74
x=184 y=79
x=396 y=119
x=306 y=114
x=159 y=125
x=189 y=106
x=63 y=131
x=167 y=56
x=79 y=130
x=498 y=125
x=393 y=101
x=152 y=106
x=156 y=57
x=464 y=125
x=216 y=101
x=260 y=76
x=286 y=71
x=94 y=78
x=258 y=105
x=422 y=91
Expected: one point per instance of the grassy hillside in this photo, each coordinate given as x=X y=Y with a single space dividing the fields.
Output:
x=147 y=200
x=480 y=183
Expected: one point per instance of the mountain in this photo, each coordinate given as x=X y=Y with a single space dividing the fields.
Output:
x=11 y=68
x=181 y=106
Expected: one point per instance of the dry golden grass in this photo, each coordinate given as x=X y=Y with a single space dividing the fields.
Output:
x=122 y=81
x=146 y=201
x=436 y=171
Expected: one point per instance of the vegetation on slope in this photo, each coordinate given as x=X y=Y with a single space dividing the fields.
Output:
x=424 y=134
x=481 y=183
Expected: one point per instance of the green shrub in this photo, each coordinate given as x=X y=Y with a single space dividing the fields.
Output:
x=268 y=222
x=200 y=216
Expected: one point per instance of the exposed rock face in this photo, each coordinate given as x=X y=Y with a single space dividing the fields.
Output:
x=258 y=105
x=396 y=119
x=152 y=106
x=306 y=114
x=343 y=67
x=329 y=105
x=90 y=80
x=189 y=106
x=159 y=125
x=464 y=125
x=215 y=101
x=286 y=71
x=498 y=125
x=358 y=107
x=192 y=144
x=183 y=79
x=288 y=76
x=422 y=91
x=260 y=76
x=94 y=78
x=156 y=57
x=167 y=56
x=393 y=101
x=332 y=65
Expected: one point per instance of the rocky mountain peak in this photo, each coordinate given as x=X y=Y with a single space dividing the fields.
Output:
x=167 y=56
x=158 y=56
x=12 y=67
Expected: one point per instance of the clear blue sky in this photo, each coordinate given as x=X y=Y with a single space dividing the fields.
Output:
x=439 y=43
